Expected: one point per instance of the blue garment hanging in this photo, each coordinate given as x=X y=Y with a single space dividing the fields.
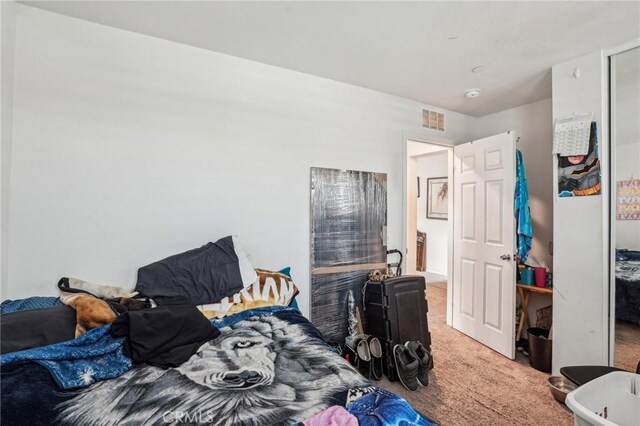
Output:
x=524 y=229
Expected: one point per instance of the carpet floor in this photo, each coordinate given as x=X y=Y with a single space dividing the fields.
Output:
x=473 y=385
x=627 y=346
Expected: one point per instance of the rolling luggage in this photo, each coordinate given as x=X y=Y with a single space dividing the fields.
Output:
x=395 y=311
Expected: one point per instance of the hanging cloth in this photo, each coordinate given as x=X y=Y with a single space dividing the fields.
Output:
x=524 y=229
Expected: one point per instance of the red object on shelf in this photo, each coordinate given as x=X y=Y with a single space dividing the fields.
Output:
x=540 y=275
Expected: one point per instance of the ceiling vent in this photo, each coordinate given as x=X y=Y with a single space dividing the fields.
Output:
x=432 y=120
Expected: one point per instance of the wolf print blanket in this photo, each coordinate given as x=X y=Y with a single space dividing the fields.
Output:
x=269 y=367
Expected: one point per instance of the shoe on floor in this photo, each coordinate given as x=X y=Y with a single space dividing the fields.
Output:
x=363 y=363
x=359 y=346
x=522 y=345
x=375 y=347
x=423 y=356
x=407 y=367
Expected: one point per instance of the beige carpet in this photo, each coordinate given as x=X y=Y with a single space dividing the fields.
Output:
x=473 y=385
x=627 y=346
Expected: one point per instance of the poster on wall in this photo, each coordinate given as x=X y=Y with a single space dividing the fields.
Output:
x=579 y=175
x=437 y=198
x=628 y=200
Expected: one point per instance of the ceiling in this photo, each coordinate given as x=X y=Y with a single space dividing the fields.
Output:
x=418 y=50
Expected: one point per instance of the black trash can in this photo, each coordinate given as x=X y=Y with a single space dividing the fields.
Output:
x=539 y=349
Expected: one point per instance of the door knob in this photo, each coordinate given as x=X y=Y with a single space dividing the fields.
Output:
x=505 y=257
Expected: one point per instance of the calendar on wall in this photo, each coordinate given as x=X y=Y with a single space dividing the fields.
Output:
x=571 y=135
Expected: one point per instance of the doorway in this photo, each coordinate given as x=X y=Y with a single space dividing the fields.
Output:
x=480 y=246
x=428 y=222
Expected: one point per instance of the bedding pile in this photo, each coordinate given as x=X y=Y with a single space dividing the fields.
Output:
x=628 y=285
x=169 y=364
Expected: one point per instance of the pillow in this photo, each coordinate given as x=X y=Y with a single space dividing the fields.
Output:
x=621 y=254
x=247 y=272
x=271 y=288
x=204 y=275
x=625 y=254
x=286 y=271
x=73 y=286
x=294 y=302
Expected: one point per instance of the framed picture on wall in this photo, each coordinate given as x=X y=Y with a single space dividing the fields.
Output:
x=437 y=198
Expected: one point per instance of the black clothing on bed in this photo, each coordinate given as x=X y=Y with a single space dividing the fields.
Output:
x=204 y=275
x=37 y=327
x=165 y=336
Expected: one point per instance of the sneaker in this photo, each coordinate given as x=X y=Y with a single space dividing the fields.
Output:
x=407 y=367
x=375 y=347
x=424 y=361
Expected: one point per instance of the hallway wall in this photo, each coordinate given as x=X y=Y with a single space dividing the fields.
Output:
x=429 y=166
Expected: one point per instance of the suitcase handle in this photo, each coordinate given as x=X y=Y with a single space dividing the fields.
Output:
x=364 y=295
x=397 y=265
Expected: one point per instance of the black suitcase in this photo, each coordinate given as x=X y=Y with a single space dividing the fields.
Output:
x=395 y=311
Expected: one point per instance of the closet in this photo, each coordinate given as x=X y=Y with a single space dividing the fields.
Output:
x=625 y=209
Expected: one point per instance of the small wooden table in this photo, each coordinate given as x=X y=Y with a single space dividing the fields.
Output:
x=525 y=291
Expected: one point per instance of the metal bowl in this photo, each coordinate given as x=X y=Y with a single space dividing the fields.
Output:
x=560 y=387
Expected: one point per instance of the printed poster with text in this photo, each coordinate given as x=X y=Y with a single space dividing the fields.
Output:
x=628 y=203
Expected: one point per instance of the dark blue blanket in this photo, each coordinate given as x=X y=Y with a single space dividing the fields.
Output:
x=80 y=362
x=30 y=303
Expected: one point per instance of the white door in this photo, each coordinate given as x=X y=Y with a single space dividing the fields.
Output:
x=484 y=275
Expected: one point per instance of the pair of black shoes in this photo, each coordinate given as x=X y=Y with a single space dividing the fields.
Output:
x=365 y=353
x=413 y=362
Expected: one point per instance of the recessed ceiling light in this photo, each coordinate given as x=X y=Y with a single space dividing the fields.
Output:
x=479 y=68
x=472 y=93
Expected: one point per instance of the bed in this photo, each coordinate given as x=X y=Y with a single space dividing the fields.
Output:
x=255 y=361
x=269 y=366
x=628 y=286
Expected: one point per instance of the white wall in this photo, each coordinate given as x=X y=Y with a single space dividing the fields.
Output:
x=433 y=165
x=580 y=280
x=7 y=63
x=533 y=124
x=414 y=151
x=129 y=148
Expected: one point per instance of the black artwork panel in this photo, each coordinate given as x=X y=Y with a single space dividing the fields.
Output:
x=348 y=232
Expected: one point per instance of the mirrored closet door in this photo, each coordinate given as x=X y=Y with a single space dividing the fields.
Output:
x=625 y=208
